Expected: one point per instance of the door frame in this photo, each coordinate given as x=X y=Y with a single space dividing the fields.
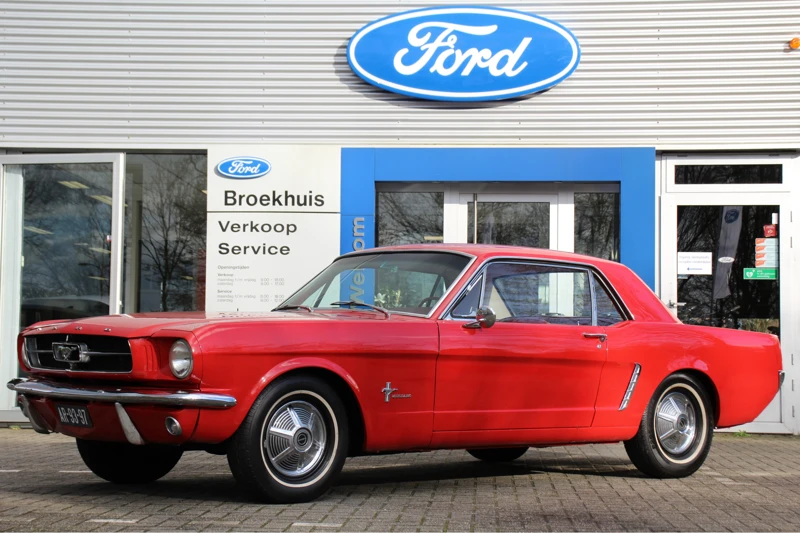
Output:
x=11 y=253
x=781 y=195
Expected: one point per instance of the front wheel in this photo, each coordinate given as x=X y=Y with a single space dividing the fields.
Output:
x=675 y=433
x=123 y=463
x=293 y=442
x=498 y=455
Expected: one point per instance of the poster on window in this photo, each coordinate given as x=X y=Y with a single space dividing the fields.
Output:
x=273 y=222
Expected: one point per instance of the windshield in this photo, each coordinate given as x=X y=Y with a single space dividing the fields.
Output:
x=409 y=282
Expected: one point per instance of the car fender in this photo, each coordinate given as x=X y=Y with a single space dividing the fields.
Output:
x=220 y=425
x=300 y=363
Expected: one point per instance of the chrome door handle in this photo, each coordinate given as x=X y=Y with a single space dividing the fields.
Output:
x=673 y=305
x=601 y=336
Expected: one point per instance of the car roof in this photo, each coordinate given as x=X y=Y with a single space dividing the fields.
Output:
x=482 y=251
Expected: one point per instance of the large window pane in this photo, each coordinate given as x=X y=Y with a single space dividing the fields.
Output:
x=597 y=224
x=410 y=217
x=66 y=246
x=165 y=229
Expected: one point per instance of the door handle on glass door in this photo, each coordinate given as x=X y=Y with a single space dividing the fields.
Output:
x=600 y=336
x=673 y=305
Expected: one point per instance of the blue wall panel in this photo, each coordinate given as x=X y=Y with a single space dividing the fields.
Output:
x=632 y=168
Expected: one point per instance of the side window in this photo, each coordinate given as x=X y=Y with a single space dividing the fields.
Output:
x=607 y=312
x=538 y=294
x=468 y=305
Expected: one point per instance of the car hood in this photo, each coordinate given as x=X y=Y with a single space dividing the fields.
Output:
x=146 y=324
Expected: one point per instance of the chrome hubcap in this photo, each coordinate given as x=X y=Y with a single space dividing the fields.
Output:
x=295 y=439
x=676 y=423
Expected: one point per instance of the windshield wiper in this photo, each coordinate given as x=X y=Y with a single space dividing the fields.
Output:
x=353 y=303
x=292 y=307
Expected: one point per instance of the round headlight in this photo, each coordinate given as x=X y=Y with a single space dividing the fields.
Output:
x=180 y=359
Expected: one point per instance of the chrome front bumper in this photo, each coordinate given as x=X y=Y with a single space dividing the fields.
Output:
x=66 y=392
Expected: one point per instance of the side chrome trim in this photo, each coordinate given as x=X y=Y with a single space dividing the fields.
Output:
x=631 y=386
x=128 y=428
x=176 y=399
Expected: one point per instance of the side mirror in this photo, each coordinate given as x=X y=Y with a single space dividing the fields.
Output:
x=484 y=318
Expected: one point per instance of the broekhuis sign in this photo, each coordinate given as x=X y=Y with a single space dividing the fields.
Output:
x=273 y=222
x=463 y=53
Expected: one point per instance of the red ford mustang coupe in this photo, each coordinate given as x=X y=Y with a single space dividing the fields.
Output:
x=486 y=348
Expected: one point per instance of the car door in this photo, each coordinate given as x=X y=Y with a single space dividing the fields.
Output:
x=538 y=366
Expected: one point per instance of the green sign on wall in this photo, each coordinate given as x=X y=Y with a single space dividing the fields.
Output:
x=760 y=273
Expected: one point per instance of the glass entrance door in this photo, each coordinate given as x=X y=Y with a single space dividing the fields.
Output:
x=513 y=219
x=61 y=243
x=726 y=262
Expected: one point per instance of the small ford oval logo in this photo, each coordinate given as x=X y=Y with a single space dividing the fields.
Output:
x=463 y=53
x=243 y=168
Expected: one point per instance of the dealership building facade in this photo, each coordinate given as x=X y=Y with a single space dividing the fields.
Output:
x=672 y=144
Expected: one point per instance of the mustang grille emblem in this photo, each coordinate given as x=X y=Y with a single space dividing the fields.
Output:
x=70 y=352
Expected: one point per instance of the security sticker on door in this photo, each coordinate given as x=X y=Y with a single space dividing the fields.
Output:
x=694 y=263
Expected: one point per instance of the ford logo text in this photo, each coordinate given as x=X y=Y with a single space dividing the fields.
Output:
x=463 y=53
x=243 y=168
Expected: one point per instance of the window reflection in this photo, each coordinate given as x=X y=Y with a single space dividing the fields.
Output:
x=410 y=217
x=597 y=224
x=727 y=298
x=727 y=174
x=66 y=230
x=512 y=223
x=165 y=229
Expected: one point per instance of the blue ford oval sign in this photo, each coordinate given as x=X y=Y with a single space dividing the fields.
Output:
x=243 y=168
x=463 y=53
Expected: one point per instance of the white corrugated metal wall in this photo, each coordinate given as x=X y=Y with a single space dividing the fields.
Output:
x=669 y=74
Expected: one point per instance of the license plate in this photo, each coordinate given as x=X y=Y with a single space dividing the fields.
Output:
x=74 y=415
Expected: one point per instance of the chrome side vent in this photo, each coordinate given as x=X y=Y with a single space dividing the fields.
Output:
x=631 y=385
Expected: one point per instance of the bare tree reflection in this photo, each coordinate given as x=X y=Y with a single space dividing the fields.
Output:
x=174 y=227
x=409 y=217
x=597 y=224
x=727 y=174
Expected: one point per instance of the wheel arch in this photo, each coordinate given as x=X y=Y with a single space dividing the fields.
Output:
x=707 y=383
x=334 y=375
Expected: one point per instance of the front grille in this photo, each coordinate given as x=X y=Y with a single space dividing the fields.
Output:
x=105 y=354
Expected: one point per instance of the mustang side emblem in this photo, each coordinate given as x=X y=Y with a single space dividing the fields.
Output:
x=389 y=393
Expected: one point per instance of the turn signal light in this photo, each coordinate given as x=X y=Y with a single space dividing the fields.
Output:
x=794 y=44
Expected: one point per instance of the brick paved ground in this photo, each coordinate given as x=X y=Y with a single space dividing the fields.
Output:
x=747 y=484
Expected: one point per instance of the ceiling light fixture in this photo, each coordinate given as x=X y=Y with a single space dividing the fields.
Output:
x=102 y=198
x=40 y=231
x=74 y=184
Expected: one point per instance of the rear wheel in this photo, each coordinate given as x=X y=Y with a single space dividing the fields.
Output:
x=498 y=455
x=293 y=442
x=675 y=433
x=123 y=463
